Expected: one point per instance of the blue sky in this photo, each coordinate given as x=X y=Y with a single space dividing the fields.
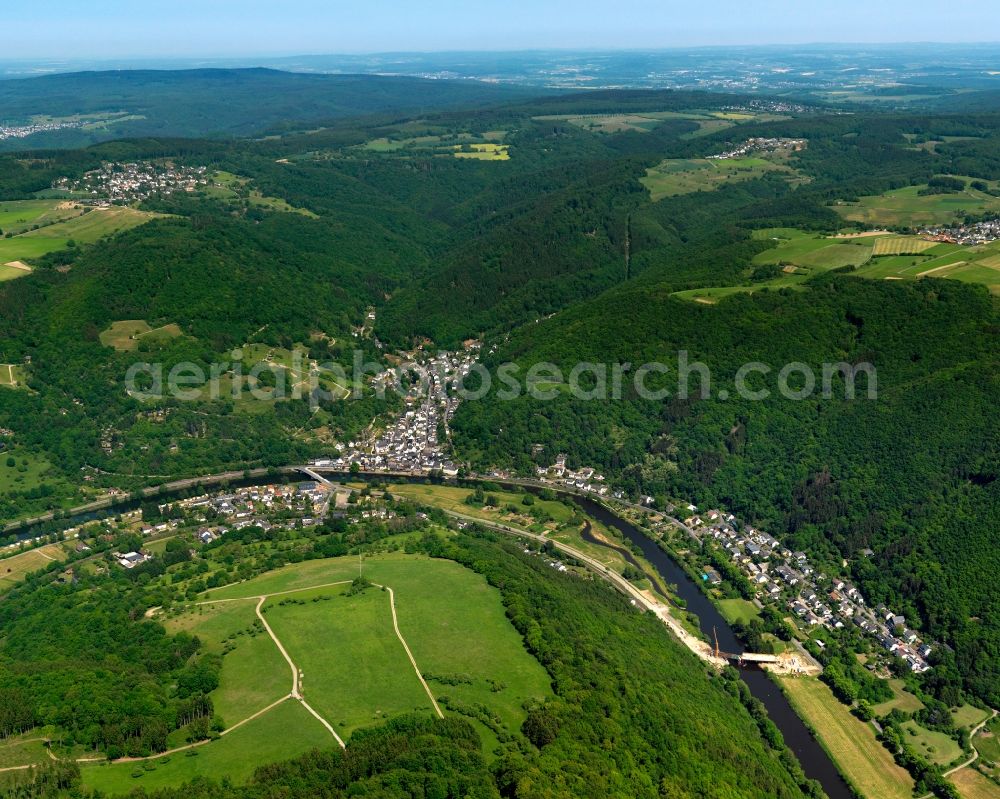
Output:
x=126 y=28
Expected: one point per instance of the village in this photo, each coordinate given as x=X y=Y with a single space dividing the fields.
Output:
x=126 y=183
x=969 y=235
x=761 y=145
x=415 y=441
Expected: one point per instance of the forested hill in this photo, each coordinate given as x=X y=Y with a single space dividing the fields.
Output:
x=219 y=102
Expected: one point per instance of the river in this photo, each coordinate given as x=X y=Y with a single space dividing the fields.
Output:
x=815 y=761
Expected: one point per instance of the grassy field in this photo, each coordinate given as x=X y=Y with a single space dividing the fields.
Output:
x=973 y=785
x=907 y=207
x=453 y=498
x=360 y=674
x=253 y=672
x=674 y=177
x=738 y=610
x=851 y=743
x=28 y=471
x=19 y=752
x=988 y=742
x=968 y=716
x=57 y=224
x=17 y=567
x=125 y=336
x=285 y=732
x=903 y=700
x=935 y=746
x=452 y=620
x=483 y=152
x=11 y=376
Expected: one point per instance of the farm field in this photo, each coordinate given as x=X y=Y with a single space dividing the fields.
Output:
x=89 y=227
x=12 y=272
x=801 y=255
x=59 y=223
x=643 y=122
x=973 y=785
x=935 y=746
x=851 y=743
x=907 y=208
x=285 y=732
x=674 y=177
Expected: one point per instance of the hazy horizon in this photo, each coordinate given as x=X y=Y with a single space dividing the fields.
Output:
x=229 y=29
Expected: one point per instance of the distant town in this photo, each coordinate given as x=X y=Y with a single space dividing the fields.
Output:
x=23 y=131
x=761 y=145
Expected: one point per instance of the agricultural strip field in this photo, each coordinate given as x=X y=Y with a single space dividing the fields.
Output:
x=851 y=743
x=973 y=785
x=284 y=732
x=902 y=245
x=801 y=255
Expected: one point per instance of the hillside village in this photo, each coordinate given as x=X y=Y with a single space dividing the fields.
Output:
x=969 y=235
x=126 y=183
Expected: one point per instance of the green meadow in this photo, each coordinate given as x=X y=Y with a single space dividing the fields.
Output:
x=906 y=207
x=354 y=669
x=285 y=732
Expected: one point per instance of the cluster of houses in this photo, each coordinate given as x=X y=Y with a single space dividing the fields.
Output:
x=122 y=184
x=23 y=131
x=787 y=578
x=584 y=479
x=761 y=145
x=413 y=442
x=970 y=235
x=255 y=506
